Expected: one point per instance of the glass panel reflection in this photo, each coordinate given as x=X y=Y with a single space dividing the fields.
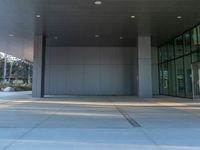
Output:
x=175 y=62
x=180 y=77
x=172 y=81
x=188 y=76
x=195 y=56
x=196 y=81
x=171 y=50
x=161 y=78
x=165 y=78
x=179 y=46
x=187 y=42
x=198 y=35
x=164 y=53
x=194 y=42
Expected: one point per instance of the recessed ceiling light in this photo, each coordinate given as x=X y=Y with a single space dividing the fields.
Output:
x=55 y=37
x=179 y=17
x=121 y=38
x=132 y=17
x=38 y=16
x=98 y=2
x=11 y=35
x=96 y=35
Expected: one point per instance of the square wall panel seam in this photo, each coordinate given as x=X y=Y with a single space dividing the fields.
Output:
x=91 y=71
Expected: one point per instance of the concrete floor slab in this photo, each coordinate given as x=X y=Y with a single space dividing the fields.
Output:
x=10 y=135
x=98 y=123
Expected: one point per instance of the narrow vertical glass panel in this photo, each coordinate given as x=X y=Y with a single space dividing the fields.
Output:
x=198 y=35
x=179 y=46
x=194 y=41
x=161 y=78
x=187 y=42
x=180 y=86
x=171 y=50
x=160 y=55
x=196 y=80
x=164 y=53
x=188 y=76
x=195 y=56
x=165 y=78
x=172 y=81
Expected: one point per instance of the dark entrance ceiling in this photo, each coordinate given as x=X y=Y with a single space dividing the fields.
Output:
x=76 y=22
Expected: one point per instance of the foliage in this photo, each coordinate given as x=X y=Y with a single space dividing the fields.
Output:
x=18 y=71
x=5 y=84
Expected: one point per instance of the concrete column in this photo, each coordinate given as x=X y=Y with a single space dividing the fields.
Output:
x=144 y=67
x=38 y=68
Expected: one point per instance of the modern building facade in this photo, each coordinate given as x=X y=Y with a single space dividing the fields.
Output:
x=93 y=70
x=141 y=48
x=179 y=65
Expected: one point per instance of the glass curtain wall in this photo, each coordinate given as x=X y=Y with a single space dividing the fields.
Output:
x=180 y=78
x=175 y=63
x=172 y=81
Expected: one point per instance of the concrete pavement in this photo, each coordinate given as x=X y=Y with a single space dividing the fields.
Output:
x=98 y=123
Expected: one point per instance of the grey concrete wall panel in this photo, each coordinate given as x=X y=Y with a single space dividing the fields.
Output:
x=144 y=67
x=47 y=79
x=75 y=77
x=107 y=56
x=75 y=56
x=108 y=79
x=135 y=79
x=58 y=86
x=145 y=79
x=48 y=57
x=91 y=56
x=58 y=53
x=38 y=67
x=92 y=80
x=91 y=71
